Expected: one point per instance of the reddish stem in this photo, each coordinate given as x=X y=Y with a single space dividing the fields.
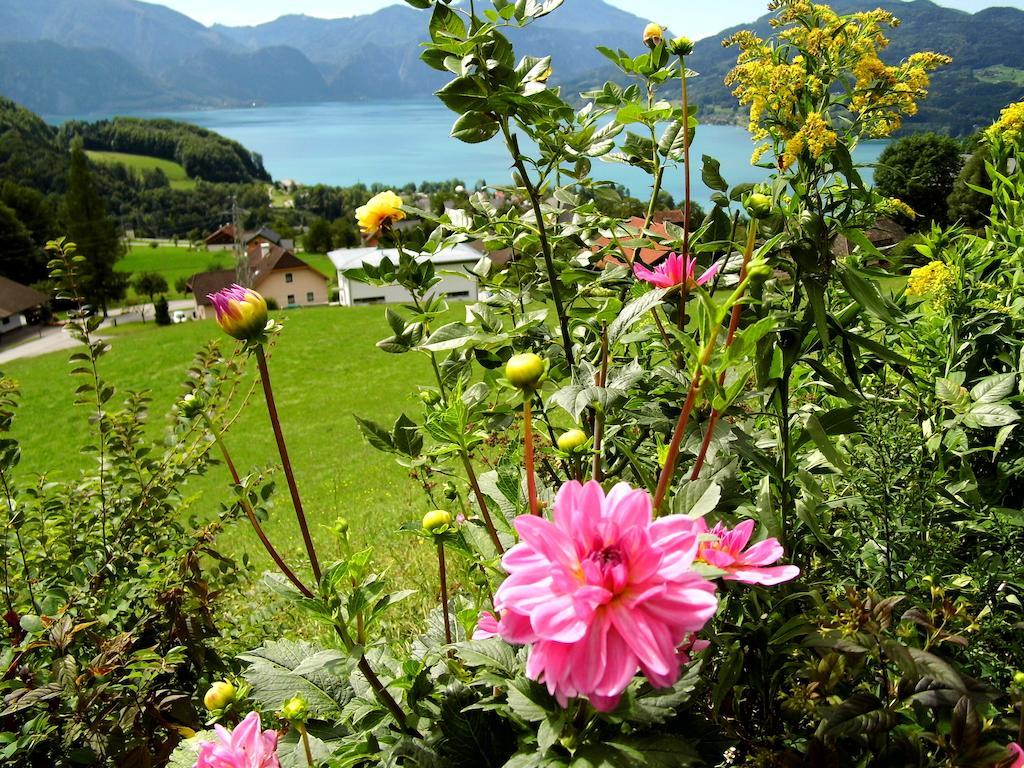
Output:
x=482 y=503
x=734 y=324
x=531 y=479
x=286 y=463
x=444 y=593
x=602 y=381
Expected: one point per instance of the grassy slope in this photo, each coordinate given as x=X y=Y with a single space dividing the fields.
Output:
x=138 y=163
x=325 y=369
x=172 y=262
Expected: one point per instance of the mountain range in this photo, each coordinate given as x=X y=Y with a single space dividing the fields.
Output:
x=70 y=57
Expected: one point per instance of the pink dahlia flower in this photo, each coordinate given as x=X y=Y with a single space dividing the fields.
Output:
x=486 y=626
x=675 y=270
x=1017 y=755
x=726 y=551
x=601 y=592
x=247 y=746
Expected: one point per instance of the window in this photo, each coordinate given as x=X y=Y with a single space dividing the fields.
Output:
x=370 y=300
x=310 y=297
x=458 y=294
x=289 y=277
x=291 y=299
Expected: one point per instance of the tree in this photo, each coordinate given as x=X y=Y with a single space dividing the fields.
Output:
x=967 y=205
x=920 y=170
x=95 y=234
x=318 y=238
x=17 y=251
x=149 y=284
x=162 y=312
x=181 y=285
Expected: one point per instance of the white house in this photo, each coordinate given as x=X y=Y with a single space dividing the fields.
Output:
x=458 y=259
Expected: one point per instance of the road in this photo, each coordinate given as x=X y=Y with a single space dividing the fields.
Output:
x=45 y=339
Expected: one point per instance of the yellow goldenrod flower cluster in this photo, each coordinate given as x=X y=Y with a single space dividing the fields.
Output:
x=1009 y=129
x=791 y=84
x=934 y=279
x=814 y=135
x=895 y=205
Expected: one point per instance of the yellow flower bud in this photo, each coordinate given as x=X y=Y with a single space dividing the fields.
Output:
x=571 y=440
x=525 y=370
x=241 y=312
x=381 y=211
x=219 y=696
x=436 y=521
x=653 y=35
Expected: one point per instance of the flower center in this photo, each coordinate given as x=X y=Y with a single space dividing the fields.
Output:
x=607 y=568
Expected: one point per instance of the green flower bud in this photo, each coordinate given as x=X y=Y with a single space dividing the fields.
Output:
x=191 y=405
x=450 y=491
x=430 y=396
x=436 y=521
x=1018 y=678
x=341 y=526
x=525 y=371
x=571 y=440
x=295 y=710
x=219 y=696
x=681 y=46
x=758 y=268
x=759 y=206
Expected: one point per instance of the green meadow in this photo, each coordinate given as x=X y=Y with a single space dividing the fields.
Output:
x=325 y=369
x=138 y=163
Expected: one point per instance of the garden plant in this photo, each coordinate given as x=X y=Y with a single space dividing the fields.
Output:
x=705 y=495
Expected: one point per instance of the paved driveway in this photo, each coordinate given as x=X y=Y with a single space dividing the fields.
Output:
x=45 y=339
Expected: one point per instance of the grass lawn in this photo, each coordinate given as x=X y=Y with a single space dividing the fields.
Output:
x=173 y=262
x=138 y=163
x=325 y=369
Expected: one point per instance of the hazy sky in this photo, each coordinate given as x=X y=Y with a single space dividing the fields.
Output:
x=695 y=18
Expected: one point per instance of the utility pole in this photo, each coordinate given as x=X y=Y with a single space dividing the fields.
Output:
x=242 y=272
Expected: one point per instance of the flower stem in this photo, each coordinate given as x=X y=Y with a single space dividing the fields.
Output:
x=545 y=245
x=444 y=592
x=602 y=381
x=379 y=690
x=531 y=477
x=482 y=503
x=286 y=463
x=247 y=508
x=696 y=385
x=734 y=324
x=305 y=745
x=686 y=157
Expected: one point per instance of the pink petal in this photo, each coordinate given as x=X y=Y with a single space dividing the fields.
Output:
x=1017 y=753
x=763 y=553
x=765 y=576
x=710 y=273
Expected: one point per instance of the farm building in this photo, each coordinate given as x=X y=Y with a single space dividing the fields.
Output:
x=19 y=304
x=459 y=259
x=278 y=274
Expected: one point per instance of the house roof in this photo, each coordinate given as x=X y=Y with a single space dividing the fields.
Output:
x=205 y=283
x=15 y=298
x=648 y=256
x=354 y=258
x=227 y=232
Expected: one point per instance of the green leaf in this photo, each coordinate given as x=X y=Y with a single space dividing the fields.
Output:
x=867 y=294
x=994 y=388
x=633 y=312
x=991 y=415
x=825 y=445
x=475 y=128
x=530 y=700
x=280 y=670
x=862 y=713
x=711 y=174
x=464 y=94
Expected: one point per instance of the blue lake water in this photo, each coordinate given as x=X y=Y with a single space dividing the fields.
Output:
x=399 y=142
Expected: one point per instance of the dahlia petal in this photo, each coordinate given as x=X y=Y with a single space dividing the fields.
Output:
x=604 y=703
x=620 y=666
x=652 y=652
x=710 y=273
x=515 y=628
x=628 y=507
x=1017 y=755
x=763 y=553
x=560 y=621
x=739 y=536
x=589 y=656
x=764 y=576
x=486 y=626
x=547 y=539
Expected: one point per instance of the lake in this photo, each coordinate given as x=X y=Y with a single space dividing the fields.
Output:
x=394 y=143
